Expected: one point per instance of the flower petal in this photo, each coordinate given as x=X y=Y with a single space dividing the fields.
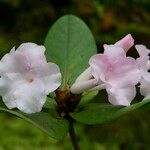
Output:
x=99 y=63
x=114 y=52
x=49 y=74
x=126 y=73
x=27 y=97
x=52 y=78
x=8 y=84
x=121 y=96
x=13 y=62
x=32 y=50
x=7 y=62
x=143 y=61
x=142 y=50
x=126 y=43
x=145 y=88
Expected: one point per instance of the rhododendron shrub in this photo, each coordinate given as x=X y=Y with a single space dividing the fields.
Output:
x=53 y=86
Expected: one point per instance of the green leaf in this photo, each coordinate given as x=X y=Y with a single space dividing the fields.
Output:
x=70 y=44
x=50 y=104
x=98 y=113
x=87 y=96
x=48 y=122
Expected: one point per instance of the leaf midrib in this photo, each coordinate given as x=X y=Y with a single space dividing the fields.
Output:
x=65 y=80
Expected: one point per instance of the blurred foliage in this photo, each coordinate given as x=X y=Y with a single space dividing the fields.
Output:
x=22 y=21
x=128 y=133
x=109 y=20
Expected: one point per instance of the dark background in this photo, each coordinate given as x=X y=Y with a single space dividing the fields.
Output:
x=29 y=20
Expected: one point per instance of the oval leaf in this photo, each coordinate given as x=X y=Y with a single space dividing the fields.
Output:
x=98 y=113
x=70 y=44
x=46 y=121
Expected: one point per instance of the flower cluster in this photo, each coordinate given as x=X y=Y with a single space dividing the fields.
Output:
x=26 y=78
x=117 y=73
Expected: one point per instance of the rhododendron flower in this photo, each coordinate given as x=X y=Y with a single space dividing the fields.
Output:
x=126 y=43
x=26 y=78
x=144 y=65
x=114 y=71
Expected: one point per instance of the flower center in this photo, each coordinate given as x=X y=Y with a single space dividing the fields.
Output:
x=110 y=68
x=30 y=78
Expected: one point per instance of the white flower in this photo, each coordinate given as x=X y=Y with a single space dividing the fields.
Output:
x=26 y=78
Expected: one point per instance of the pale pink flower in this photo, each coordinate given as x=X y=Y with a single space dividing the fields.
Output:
x=144 y=65
x=26 y=78
x=114 y=71
x=126 y=43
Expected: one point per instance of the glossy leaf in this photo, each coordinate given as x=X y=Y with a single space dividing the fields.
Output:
x=87 y=96
x=70 y=44
x=99 y=113
x=47 y=121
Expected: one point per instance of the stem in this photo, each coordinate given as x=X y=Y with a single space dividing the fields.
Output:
x=73 y=135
